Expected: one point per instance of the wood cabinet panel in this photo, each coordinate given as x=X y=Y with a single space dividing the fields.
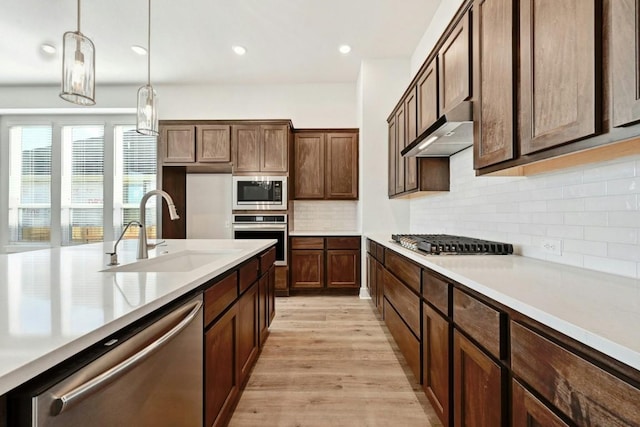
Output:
x=494 y=85
x=436 y=291
x=408 y=344
x=309 y=165
x=481 y=322
x=585 y=393
x=248 y=274
x=221 y=373
x=380 y=253
x=307 y=243
x=343 y=268
x=436 y=345
x=267 y=259
x=557 y=73
x=281 y=284
x=401 y=141
x=213 y=143
x=411 y=163
x=380 y=286
x=248 y=334
x=307 y=269
x=477 y=386
x=341 y=173
x=263 y=308
x=219 y=296
x=625 y=61
x=274 y=148
x=271 y=299
x=527 y=411
x=372 y=279
x=343 y=242
x=406 y=303
x=392 y=157
x=246 y=148
x=178 y=144
x=454 y=65
x=404 y=269
x=427 y=88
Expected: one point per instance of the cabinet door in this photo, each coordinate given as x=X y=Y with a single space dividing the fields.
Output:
x=380 y=286
x=493 y=123
x=263 y=307
x=281 y=284
x=221 y=374
x=341 y=173
x=454 y=67
x=428 y=97
x=392 y=156
x=401 y=138
x=343 y=269
x=307 y=269
x=213 y=143
x=271 y=291
x=248 y=309
x=371 y=279
x=246 y=148
x=557 y=72
x=436 y=346
x=528 y=411
x=477 y=386
x=625 y=61
x=178 y=144
x=411 y=163
x=309 y=166
x=274 y=155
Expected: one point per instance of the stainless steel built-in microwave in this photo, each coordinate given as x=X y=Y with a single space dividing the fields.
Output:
x=260 y=192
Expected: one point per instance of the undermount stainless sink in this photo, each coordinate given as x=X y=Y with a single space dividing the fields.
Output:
x=176 y=262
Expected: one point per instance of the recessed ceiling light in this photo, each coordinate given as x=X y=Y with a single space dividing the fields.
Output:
x=239 y=50
x=344 y=49
x=139 y=49
x=48 y=48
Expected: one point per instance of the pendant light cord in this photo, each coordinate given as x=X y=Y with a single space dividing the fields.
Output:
x=148 y=47
x=78 y=16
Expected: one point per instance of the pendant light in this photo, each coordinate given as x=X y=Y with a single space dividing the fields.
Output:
x=78 y=67
x=147 y=110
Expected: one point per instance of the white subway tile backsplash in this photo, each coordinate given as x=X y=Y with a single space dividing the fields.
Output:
x=594 y=210
x=318 y=215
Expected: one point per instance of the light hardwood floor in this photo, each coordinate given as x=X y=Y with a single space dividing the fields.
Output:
x=330 y=361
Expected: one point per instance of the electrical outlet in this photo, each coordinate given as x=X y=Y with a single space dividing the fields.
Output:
x=552 y=246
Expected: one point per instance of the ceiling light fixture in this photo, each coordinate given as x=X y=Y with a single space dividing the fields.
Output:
x=239 y=50
x=147 y=110
x=47 y=48
x=139 y=50
x=344 y=49
x=78 y=67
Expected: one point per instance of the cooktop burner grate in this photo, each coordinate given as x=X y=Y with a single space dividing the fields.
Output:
x=441 y=244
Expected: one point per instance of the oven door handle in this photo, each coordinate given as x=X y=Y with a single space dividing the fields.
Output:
x=263 y=227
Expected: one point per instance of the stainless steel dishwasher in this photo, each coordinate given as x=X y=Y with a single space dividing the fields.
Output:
x=154 y=378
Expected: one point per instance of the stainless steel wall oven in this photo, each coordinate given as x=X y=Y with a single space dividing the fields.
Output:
x=264 y=227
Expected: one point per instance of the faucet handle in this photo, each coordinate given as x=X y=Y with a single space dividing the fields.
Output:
x=113 y=258
x=153 y=245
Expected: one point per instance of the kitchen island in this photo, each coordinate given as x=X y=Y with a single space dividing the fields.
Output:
x=59 y=302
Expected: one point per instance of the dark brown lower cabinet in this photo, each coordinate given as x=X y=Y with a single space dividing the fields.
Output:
x=263 y=309
x=221 y=370
x=408 y=344
x=380 y=287
x=436 y=334
x=372 y=279
x=271 y=299
x=527 y=411
x=477 y=386
x=307 y=268
x=248 y=330
x=343 y=269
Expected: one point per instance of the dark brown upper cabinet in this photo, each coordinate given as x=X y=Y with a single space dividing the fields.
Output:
x=195 y=143
x=454 y=64
x=493 y=64
x=558 y=72
x=427 y=89
x=401 y=142
x=411 y=163
x=625 y=61
x=260 y=148
x=393 y=155
x=326 y=165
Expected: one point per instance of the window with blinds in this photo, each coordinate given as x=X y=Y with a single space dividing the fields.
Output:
x=30 y=183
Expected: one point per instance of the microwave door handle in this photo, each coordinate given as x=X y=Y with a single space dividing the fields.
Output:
x=76 y=395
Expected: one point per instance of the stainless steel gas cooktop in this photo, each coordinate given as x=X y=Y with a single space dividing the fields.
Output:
x=444 y=244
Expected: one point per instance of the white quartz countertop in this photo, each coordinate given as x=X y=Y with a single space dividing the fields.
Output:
x=55 y=303
x=324 y=233
x=597 y=309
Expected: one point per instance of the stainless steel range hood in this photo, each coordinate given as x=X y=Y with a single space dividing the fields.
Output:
x=451 y=133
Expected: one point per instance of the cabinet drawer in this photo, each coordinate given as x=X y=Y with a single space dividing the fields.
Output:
x=220 y=296
x=406 y=303
x=478 y=320
x=266 y=260
x=307 y=243
x=407 y=271
x=380 y=253
x=343 y=242
x=585 y=393
x=408 y=344
x=371 y=247
x=436 y=291
x=248 y=274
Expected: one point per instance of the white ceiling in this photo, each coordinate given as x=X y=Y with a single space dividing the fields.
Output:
x=288 y=41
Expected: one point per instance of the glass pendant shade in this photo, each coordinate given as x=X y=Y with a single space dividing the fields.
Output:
x=147 y=111
x=78 y=69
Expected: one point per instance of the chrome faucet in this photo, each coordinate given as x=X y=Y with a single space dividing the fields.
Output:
x=143 y=246
x=113 y=260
